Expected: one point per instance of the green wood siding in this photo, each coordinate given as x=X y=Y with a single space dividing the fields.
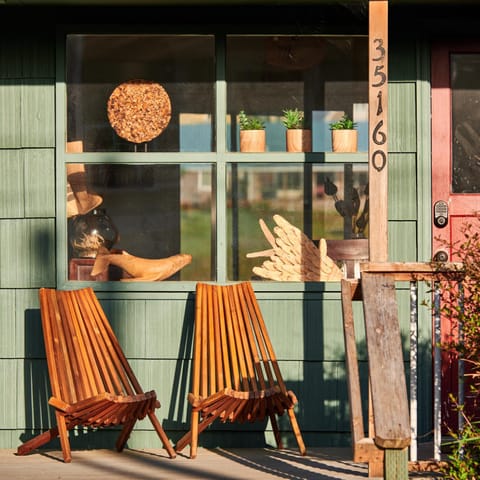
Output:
x=402 y=186
x=10 y=120
x=37 y=114
x=12 y=191
x=39 y=178
x=401 y=117
x=27 y=253
x=156 y=329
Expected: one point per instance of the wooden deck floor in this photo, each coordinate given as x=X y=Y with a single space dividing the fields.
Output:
x=215 y=464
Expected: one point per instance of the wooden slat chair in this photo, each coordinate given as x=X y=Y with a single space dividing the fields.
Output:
x=235 y=374
x=92 y=382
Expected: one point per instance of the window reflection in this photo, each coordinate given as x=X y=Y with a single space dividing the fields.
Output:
x=465 y=123
x=322 y=76
x=162 y=88
x=149 y=211
x=324 y=201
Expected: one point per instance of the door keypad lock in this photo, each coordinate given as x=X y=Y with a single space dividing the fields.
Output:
x=440 y=214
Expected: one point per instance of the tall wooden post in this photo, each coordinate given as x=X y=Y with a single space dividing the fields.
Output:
x=377 y=146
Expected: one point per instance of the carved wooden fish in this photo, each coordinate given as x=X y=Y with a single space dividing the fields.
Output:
x=140 y=269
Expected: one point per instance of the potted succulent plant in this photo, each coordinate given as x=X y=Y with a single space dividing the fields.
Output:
x=298 y=136
x=252 y=133
x=344 y=135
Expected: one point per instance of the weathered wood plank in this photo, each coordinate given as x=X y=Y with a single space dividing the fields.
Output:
x=387 y=374
x=353 y=377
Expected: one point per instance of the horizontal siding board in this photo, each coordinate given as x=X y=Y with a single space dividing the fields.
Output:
x=26 y=54
x=32 y=392
x=27 y=253
x=8 y=387
x=29 y=335
x=38 y=54
x=127 y=318
x=12 y=191
x=8 y=324
x=39 y=182
x=10 y=121
x=402 y=120
x=402 y=190
x=319 y=402
x=38 y=114
x=171 y=389
x=402 y=59
x=10 y=59
x=402 y=243
x=332 y=346
x=285 y=323
x=170 y=329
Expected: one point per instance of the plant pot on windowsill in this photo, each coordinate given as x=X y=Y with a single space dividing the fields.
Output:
x=252 y=140
x=344 y=135
x=299 y=140
x=298 y=137
x=252 y=133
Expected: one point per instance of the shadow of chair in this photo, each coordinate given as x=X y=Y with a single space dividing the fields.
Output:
x=235 y=373
x=91 y=380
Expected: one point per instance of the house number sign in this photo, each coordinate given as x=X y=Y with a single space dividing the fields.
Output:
x=379 y=80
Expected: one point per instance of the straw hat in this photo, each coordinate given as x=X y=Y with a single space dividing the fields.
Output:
x=79 y=200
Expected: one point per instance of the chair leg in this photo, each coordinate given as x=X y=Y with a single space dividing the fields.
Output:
x=161 y=433
x=194 y=441
x=276 y=431
x=37 y=441
x=296 y=431
x=64 y=441
x=124 y=435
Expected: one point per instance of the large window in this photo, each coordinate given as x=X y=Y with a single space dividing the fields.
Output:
x=157 y=187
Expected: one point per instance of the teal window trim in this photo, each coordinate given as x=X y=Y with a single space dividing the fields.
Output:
x=221 y=158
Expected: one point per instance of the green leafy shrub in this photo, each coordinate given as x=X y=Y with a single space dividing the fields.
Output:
x=460 y=303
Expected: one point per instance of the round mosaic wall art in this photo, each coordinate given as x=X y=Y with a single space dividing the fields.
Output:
x=139 y=110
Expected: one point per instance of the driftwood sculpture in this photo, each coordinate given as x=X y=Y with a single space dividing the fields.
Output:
x=140 y=269
x=293 y=256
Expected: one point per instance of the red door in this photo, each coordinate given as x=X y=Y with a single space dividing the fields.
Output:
x=455 y=165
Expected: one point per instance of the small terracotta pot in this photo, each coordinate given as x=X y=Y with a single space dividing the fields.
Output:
x=299 y=140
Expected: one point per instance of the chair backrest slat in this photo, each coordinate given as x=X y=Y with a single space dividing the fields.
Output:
x=232 y=348
x=245 y=341
x=231 y=343
x=224 y=358
x=62 y=384
x=88 y=358
x=107 y=359
x=211 y=341
x=87 y=378
x=235 y=374
x=256 y=366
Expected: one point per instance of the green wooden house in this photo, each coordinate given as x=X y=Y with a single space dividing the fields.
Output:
x=123 y=116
